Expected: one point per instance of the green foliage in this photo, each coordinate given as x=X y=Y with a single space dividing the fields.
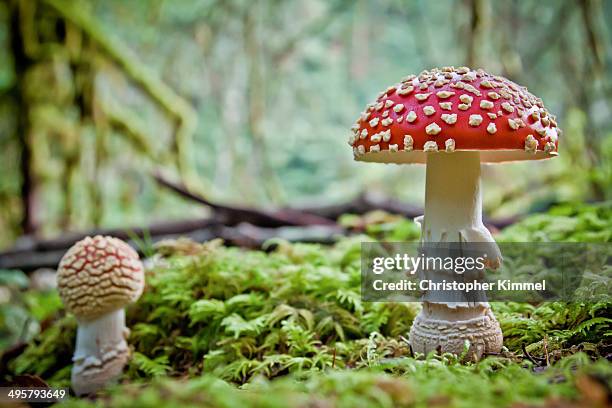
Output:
x=22 y=310
x=438 y=380
x=566 y=223
x=561 y=325
x=50 y=354
x=251 y=328
x=150 y=367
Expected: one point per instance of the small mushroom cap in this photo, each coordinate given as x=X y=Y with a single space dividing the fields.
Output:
x=98 y=275
x=478 y=111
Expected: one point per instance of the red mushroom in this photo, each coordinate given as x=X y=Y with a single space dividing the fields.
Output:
x=453 y=119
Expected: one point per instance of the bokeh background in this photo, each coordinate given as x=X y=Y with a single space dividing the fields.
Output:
x=251 y=102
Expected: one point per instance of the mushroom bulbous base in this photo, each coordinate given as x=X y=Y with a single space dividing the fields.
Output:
x=483 y=332
x=90 y=379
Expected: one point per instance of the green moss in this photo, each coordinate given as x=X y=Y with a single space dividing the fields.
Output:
x=442 y=381
x=259 y=329
x=564 y=223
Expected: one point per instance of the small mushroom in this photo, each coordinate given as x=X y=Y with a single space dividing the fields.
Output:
x=97 y=278
x=453 y=142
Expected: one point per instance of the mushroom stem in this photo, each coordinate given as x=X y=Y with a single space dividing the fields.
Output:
x=101 y=352
x=453 y=213
x=453 y=202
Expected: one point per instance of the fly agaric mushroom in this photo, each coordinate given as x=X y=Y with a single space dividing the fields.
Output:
x=96 y=279
x=454 y=119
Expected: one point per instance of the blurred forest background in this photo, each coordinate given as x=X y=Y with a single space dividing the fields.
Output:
x=251 y=101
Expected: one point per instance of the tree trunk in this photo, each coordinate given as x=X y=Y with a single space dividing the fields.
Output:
x=18 y=12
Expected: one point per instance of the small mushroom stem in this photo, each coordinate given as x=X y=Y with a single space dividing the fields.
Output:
x=453 y=213
x=101 y=352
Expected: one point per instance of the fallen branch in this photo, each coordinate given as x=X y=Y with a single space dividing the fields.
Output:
x=362 y=204
x=233 y=215
x=47 y=253
x=371 y=202
x=250 y=236
x=315 y=215
x=28 y=244
x=240 y=226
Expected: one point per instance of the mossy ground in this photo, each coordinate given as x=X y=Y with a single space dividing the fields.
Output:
x=221 y=326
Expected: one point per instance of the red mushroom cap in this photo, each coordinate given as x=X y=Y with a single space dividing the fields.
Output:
x=453 y=109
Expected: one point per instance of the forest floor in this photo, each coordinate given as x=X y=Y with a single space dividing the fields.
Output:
x=223 y=326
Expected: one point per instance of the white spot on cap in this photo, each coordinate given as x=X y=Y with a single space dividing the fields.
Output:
x=422 y=96
x=440 y=83
x=389 y=103
x=466 y=98
x=393 y=148
x=430 y=146
x=507 y=107
x=458 y=85
x=449 y=118
x=446 y=105
x=486 y=84
x=484 y=104
x=475 y=120
x=386 y=135
x=364 y=134
x=429 y=110
x=375 y=148
x=432 y=129
x=531 y=144
x=386 y=121
x=376 y=137
x=405 y=91
x=373 y=122
x=411 y=116
x=470 y=76
x=549 y=147
x=398 y=108
x=471 y=89
x=450 y=145
x=491 y=128
x=444 y=94
x=408 y=142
